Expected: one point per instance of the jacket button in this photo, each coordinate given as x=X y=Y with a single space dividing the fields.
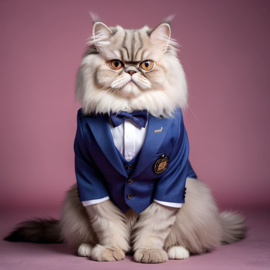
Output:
x=129 y=196
x=129 y=167
x=130 y=181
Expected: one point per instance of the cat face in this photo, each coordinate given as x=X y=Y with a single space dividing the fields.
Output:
x=127 y=70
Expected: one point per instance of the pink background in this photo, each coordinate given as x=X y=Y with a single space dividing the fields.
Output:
x=225 y=51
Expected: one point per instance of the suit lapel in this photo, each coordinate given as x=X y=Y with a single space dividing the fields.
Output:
x=101 y=131
x=152 y=142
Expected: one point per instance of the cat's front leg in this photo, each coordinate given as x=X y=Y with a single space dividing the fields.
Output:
x=150 y=233
x=109 y=223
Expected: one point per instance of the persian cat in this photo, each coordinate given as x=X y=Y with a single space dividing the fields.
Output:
x=130 y=70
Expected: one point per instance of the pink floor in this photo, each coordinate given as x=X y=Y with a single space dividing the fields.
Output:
x=251 y=253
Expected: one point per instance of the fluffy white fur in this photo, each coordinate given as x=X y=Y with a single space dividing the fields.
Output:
x=101 y=90
x=102 y=232
x=157 y=234
x=178 y=253
x=85 y=249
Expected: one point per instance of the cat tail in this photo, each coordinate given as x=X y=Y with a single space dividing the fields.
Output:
x=233 y=227
x=37 y=231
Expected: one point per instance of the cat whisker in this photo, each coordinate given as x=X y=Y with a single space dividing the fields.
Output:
x=105 y=92
x=104 y=87
x=194 y=114
x=73 y=113
x=144 y=80
x=193 y=96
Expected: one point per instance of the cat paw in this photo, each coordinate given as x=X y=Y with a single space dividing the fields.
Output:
x=85 y=249
x=178 y=253
x=150 y=256
x=103 y=254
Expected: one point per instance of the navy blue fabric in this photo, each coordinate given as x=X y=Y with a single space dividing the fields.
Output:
x=129 y=165
x=101 y=170
x=138 y=117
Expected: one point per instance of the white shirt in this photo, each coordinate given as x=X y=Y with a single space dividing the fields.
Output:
x=128 y=139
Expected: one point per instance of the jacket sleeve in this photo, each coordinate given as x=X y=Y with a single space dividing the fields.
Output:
x=89 y=178
x=171 y=186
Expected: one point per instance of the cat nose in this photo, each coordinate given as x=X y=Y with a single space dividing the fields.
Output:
x=131 y=72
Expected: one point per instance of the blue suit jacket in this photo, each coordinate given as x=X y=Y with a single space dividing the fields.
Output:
x=100 y=171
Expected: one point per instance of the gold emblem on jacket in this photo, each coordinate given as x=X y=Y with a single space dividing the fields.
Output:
x=158 y=130
x=161 y=164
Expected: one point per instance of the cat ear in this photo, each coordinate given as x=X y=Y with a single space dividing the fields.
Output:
x=101 y=34
x=100 y=27
x=161 y=35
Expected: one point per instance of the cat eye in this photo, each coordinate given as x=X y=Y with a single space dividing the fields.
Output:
x=116 y=64
x=147 y=65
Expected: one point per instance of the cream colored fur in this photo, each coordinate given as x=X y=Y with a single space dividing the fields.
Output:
x=160 y=91
x=159 y=233
x=109 y=224
x=102 y=232
x=150 y=233
x=178 y=253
